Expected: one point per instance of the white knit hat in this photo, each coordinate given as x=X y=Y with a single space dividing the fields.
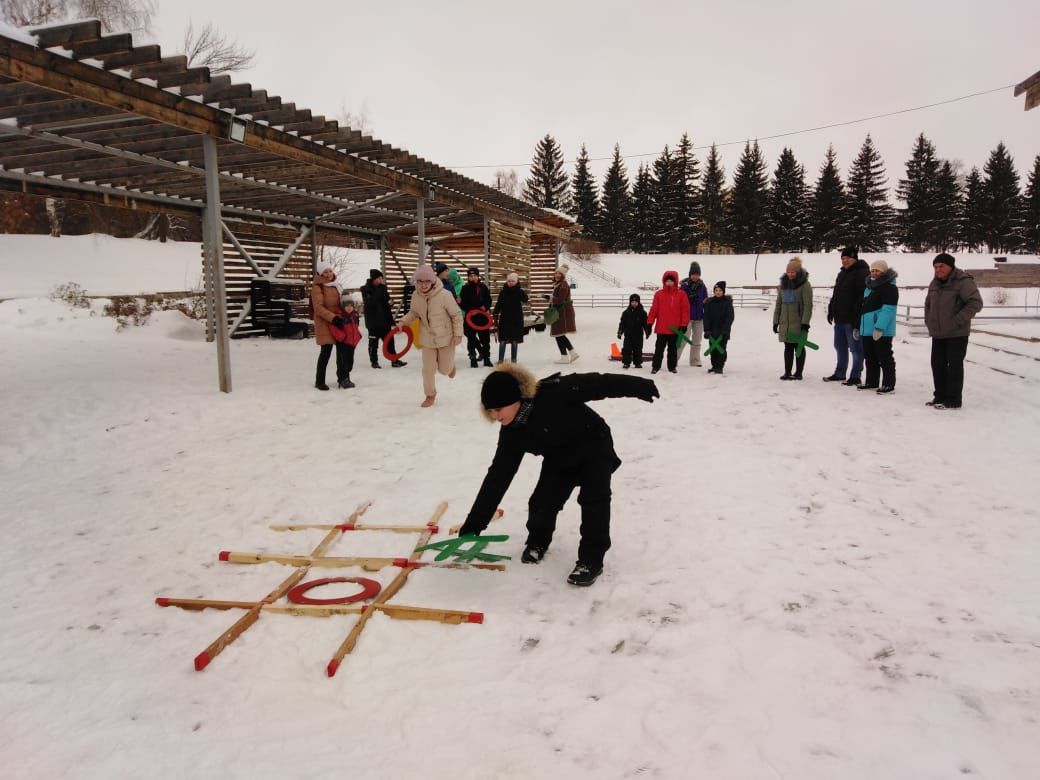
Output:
x=323 y=266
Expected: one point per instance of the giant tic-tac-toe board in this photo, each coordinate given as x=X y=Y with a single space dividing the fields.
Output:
x=467 y=552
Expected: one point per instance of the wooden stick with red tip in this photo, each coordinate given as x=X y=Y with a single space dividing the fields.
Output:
x=387 y=593
x=203 y=659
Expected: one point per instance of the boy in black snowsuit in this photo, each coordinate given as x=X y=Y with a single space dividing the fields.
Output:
x=718 y=320
x=550 y=418
x=633 y=328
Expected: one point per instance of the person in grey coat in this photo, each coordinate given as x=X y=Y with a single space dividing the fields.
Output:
x=953 y=299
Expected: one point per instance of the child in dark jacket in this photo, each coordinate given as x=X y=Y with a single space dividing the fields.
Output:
x=633 y=328
x=718 y=320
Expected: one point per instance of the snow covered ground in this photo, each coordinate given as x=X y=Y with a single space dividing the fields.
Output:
x=806 y=581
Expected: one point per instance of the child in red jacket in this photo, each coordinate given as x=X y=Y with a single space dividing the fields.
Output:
x=669 y=314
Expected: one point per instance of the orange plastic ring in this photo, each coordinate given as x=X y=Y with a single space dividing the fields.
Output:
x=386 y=343
x=369 y=588
x=486 y=326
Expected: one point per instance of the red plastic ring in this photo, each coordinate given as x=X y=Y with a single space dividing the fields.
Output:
x=369 y=588
x=486 y=326
x=386 y=343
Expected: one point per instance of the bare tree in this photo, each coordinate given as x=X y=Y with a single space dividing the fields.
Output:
x=507 y=181
x=118 y=15
x=114 y=15
x=355 y=120
x=210 y=48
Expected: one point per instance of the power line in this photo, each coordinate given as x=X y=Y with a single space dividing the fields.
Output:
x=768 y=137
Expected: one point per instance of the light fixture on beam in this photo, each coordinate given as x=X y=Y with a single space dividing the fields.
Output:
x=431 y=195
x=237 y=130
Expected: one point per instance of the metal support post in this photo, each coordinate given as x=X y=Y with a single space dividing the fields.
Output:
x=215 y=258
x=487 y=249
x=420 y=218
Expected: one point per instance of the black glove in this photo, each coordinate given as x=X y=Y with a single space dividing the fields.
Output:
x=830 y=318
x=805 y=327
x=546 y=297
x=338 y=322
x=647 y=391
x=619 y=334
x=467 y=530
x=776 y=328
x=647 y=331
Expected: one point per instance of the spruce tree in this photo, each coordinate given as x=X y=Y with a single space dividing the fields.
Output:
x=641 y=234
x=616 y=207
x=747 y=204
x=973 y=217
x=827 y=213
x=786 y=221
x=1031 y=209
x=585 y=203
x=1003 y=224
x=547 y=186
x=948 y=210
x=919 y=190
x=688 y=171
x=665 y=184
x=713 y=198
x=869 y=217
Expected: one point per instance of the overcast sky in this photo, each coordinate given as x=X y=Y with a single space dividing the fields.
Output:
x=466 y=83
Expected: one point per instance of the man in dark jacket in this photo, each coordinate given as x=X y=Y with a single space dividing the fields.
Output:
x=476 y=296
x=843 y=313
x=379 y=317
x=550 y=418
x=953 y=299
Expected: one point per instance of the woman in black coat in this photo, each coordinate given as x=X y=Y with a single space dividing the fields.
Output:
x=509 y=314
x=379 y=317
x=718 y=320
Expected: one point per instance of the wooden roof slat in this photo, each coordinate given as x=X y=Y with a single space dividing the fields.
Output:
x=223 y=81
x=141 y=55
x=190 y=76
x=67 y=34
x=165 y=65
x=100 y=47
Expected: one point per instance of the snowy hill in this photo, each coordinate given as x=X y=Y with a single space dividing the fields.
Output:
x=806 y=581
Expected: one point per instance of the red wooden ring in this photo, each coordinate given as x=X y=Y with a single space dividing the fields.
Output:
x=486 y=326
x=369 y=588
x=386 y=343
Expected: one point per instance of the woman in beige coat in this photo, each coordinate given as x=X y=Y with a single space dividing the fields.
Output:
x=441 y=321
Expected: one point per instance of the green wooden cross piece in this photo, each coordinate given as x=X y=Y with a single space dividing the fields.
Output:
x=456 y=548
x=681 y=336
x=802 y=340
x=714 y=345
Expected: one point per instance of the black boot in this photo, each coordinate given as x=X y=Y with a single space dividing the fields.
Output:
x=584 y=575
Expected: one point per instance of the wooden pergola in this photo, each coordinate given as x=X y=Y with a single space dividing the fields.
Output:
x=94 y=117
x=1031 y=86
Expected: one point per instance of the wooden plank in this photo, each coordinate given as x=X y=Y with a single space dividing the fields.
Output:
x=385 y=595
x=67 y=34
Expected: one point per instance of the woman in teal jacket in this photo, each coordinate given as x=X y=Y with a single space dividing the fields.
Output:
x=877 y=327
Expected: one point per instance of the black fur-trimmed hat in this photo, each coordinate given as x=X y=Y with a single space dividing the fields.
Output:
x=499 y=389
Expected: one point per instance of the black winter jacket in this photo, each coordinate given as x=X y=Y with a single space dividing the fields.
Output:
x=559 y=427
x=718 y=316
x=474 y=296
x=633 y=324
x=379 y=318
x=845 y=302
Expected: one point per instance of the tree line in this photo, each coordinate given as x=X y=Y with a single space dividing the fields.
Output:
x=676 y=204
